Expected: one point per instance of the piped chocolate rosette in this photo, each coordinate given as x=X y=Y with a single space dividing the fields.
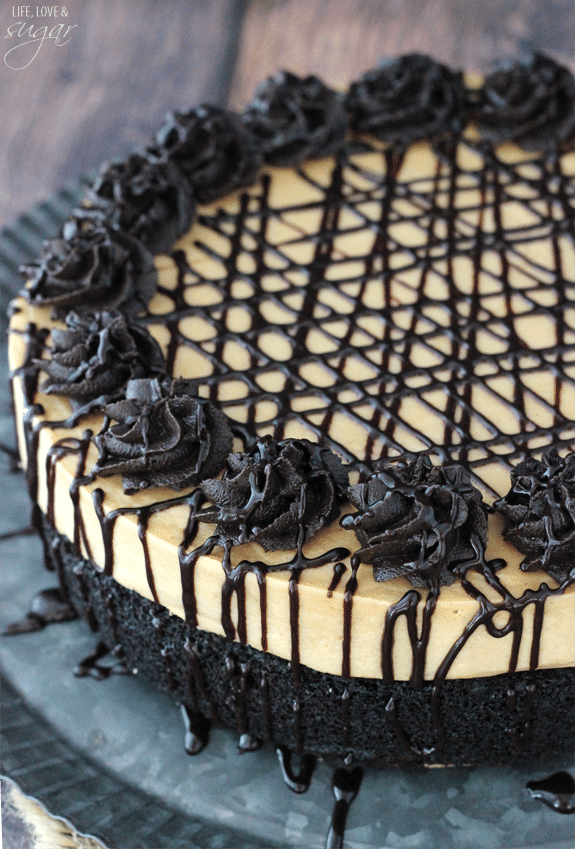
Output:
x=92 y=266
x=150 y=201
x=270 y=491
x=408 y=98
x=164 y=435
x=212 y=146
x=531 y=103
x=418 y=521
x=539 y=512
x=296 y=118
x=97 y=354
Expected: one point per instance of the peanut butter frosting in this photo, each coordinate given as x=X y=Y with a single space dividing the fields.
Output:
x=384 y=302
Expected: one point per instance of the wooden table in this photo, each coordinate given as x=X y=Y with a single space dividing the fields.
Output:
x=125 y=63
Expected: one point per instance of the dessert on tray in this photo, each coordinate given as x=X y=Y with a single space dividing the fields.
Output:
x=295 y=393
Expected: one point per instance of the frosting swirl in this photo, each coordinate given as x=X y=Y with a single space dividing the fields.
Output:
x=164 y=436
x=417 y=521
x=263 y=491
x=92 y=266
x=150 y=201
x=408 y=98
x=539 y=512
x=296 y=118
x=212 y=146
x=530 y=102
x=97 y=354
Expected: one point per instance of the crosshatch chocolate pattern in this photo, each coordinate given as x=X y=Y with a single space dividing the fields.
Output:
x=400 y=316
x=394 y=314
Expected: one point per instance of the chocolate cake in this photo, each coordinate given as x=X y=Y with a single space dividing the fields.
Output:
x=309 y=467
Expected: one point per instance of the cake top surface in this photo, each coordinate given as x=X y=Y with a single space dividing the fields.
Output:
x=401 y=297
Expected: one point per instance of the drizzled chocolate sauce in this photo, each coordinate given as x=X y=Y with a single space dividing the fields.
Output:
x=47 y=607
x=13 y=459
x=345 y=786
x=556 y=791
x=338 y=573
x=197 y=730
x=91 y=666
x=471 y=342
x=298 y=782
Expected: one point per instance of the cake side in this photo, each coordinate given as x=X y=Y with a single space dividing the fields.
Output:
x=403 y=305
x=508 y=718
x=244 y=335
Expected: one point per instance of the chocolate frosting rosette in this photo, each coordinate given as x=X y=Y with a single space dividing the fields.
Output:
x=417 y=521
x=150 y=201
x=212 y=146
x=97 y=355
x=164 y=435
x=92 y=266
x=296 y=118
x=530 y=102
x=263 y=491
x=409 y=98
x=539 y=512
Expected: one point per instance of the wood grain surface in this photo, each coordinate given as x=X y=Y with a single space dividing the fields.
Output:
x=339 y=39
x=126 y=63
x=107 y=89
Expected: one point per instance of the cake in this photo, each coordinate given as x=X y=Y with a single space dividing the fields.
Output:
x=295 y=394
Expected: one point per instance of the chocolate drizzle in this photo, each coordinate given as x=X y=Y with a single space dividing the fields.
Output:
x=297 y=782
x=197 y=731
x=234 y=581
x=345 y=786
x=92 y=667
x=46 y=607
x=555 y=792
x=347 y=358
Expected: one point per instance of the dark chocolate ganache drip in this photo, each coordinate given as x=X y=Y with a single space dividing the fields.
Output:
x=345 y=786
x=47 y=607
x=557 y=791
x=539 y=512
x=164 y=436
x=92 y=266
x=212 y=146
x=530 y=102
x=259 y=498
x=296 y=118
x=91 y=666
x=151 y=201
x=416 y=520
x=408 y=98
x=298 y=782
x=197 y=730
x=97 y=355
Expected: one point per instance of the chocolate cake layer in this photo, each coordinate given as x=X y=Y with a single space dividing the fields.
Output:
x=497 y=719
